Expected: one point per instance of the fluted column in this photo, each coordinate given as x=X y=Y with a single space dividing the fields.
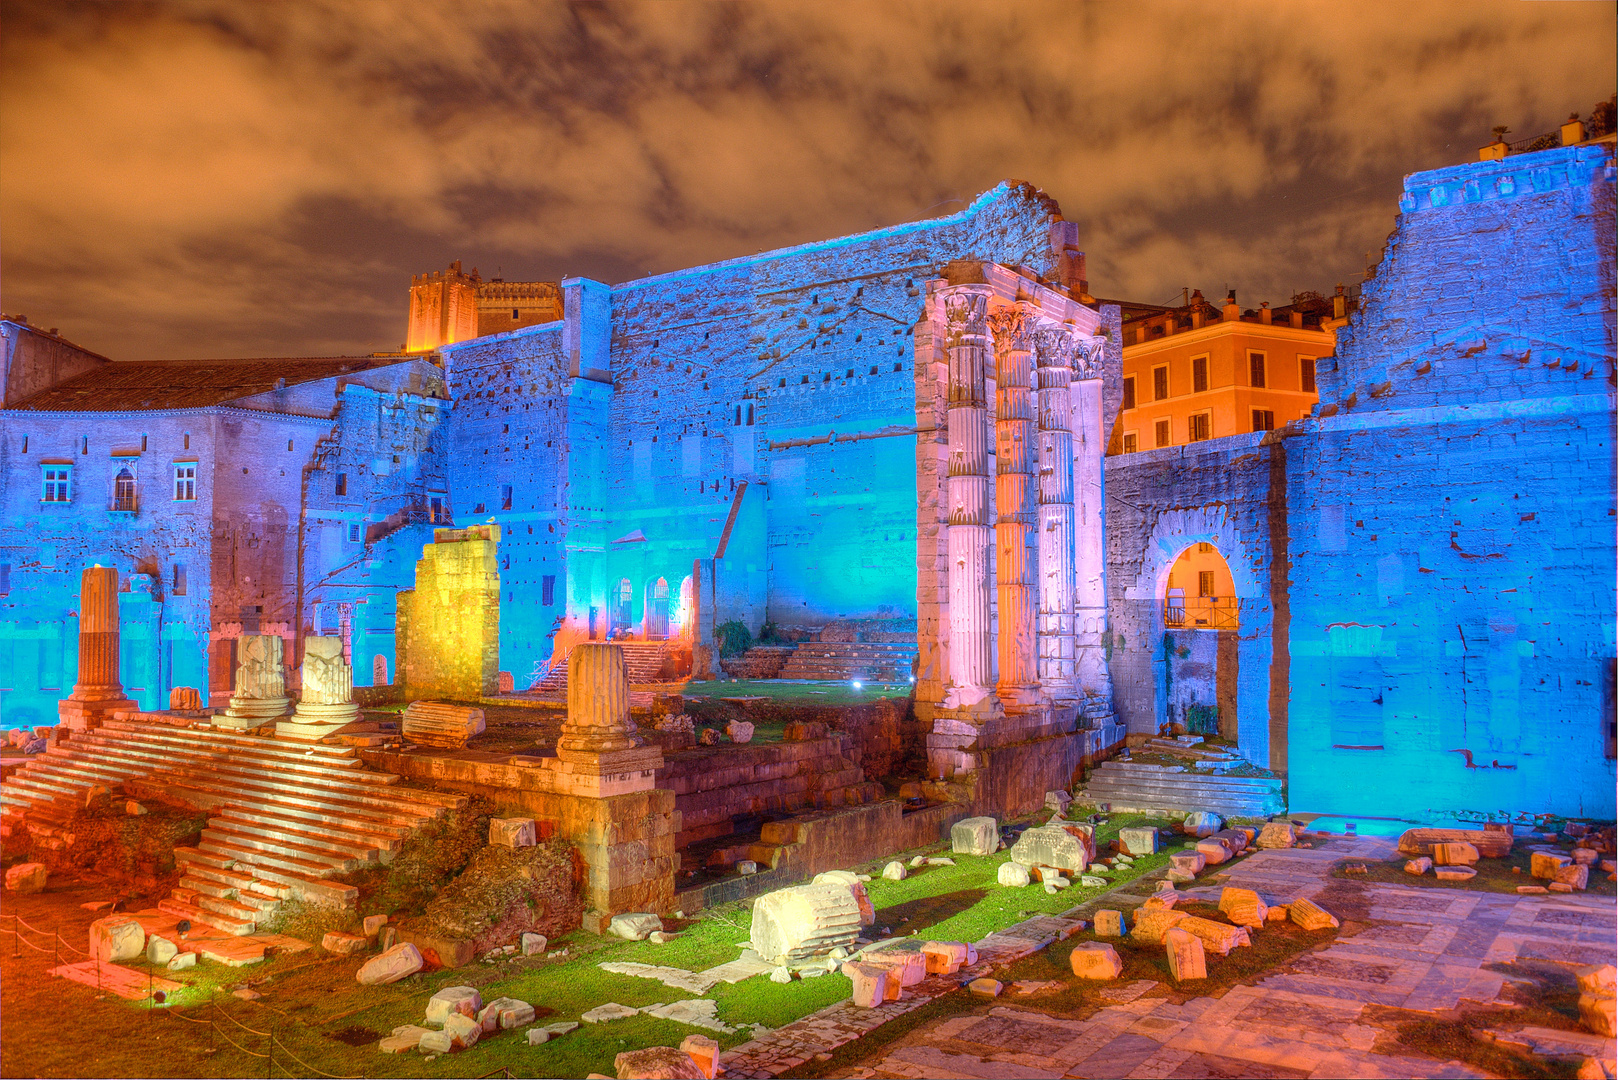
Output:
x=1054 y=345
x=966 y=309
x=260 y=693
x=597 y=700
x=97 y=691
x=1090 y=600
x=1015 y=453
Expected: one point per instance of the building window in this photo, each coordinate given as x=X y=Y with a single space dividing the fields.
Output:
x=185 y=483
x=25 y=444
x=356 y=532
x=750 y=410
x=187 y=440
x=1129 y=392
x=289 y=446
x=177 y=586
x=1199 y=374
x=1205 y=582
x=1263 y=420
x=1204 y=548
x=5 y=579
x=123 y=490
x=437 y=510
x=1161 y=429
x=342 y=483
x=1255 y=369
x=547 y=590
x=1130 y=442
x=143 y=444
x=1306 y=374
x=58 y=483
x=515 y=315
x=1199 y=427
x=1160 y=383
x=505 y=496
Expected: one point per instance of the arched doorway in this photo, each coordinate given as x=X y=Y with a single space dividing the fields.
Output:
x=657 y=610
x=683 y=612
x=1199 y=662
x=123 y=491
x=621 y=619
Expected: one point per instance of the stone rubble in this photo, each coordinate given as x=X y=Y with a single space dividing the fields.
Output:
x=634 y=926
x=26 y=878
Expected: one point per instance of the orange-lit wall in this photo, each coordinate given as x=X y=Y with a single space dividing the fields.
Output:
x=1191 y=563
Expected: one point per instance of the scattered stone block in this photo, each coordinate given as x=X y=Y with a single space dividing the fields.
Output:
x=133 y=808
x=1217 y=937
x=986 y=987
x=1574 y=875
x=1053 y=845
x=161 y=950
x=1545 y=864
x=708 y=737
x=895 y=871
x=405 y=1037
x=704 y=1052
x=373 y=924
x=1110 y=923
x=870 y=983
x=1276 y=834
x=1532 y=890
x=1244 y=907
x=944 y=957
x=1454 y=853
x=1186 y=953
x=1137 y=841
x=344 y=944
x=796 y=924
x=387 y=938
x=1559 y=887
x=1058 y=801
x=661 y=937
x=1013 y=875
x=780 y=975
x=906 y=967
x=1597 y=1014
x=1419 y=866
x=634 y=926
x=28 y=877
x=246 y=994
x=504 y=1013
x=1192 y=862
x=1311 y=916
x=181 y=961
x=940 y=860
x=463 y=1031
x=601 y=1014
x=1213 y=851
x=538 y=1036
x=435 y=1043
x=1202 y=823
x=746 y=867
x=656 y=1063
x=1277 y=914
x=918 y=862
x=1455 y=873
x=185 y=699
x=1162 y=900
x=1152 y=923
x=739 y=731
x=1095 y=960
x=1585 y=856
x=562 y=1027
x=1598 y=979
x=1090 y=881
x=438 y=723
x=975 y=836
x=115 y=938
x=516 y=832
x=453 y=1001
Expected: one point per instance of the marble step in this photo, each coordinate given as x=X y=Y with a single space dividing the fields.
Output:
x=282 y=852
x=159 y=755
x=341 y=842
x=228 y=741
x=201 y=918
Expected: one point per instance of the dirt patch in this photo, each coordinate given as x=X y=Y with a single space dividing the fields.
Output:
x=107 y=840
x=505 y=892
x=1459 y=1040
x=1493 y=875
x=353 y=1035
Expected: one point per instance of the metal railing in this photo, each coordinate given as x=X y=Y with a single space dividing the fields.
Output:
x=123 y=504
x=1201 y=613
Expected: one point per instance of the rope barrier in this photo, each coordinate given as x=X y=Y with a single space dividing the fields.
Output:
x=311 y=1068
x=238 y=1045
x=237 y=1022
x=31 y=945
x=75 y=948
x=32 y=929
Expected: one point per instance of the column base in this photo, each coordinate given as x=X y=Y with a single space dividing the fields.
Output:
x=601 y=774
x=311 y=723
x=247 y=713
x=83 y=715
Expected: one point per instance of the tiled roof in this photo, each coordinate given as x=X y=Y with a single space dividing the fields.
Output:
x=128 y=385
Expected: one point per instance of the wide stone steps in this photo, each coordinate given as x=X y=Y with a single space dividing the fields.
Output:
x=279 y=851
x=877 y=661
x=1124 y=785
x=334 y=841
x=201 y=917
x=644 y=659
x=759 y=662
x=245 y=763
x=256 y=818
x=232 y=741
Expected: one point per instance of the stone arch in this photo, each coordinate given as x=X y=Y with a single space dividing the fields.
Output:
x=657 y=608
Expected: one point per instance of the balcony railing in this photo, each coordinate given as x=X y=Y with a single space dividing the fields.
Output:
x=1201 y=613
x=123 y=504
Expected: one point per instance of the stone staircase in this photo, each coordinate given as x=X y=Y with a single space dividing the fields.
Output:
x=876 y=661
x=1126 y=785
x=284 y=816
x=759 y=662
x=643 y=658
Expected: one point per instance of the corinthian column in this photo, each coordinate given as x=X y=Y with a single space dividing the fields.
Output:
x=966 y=309
x=1055 y=347
x=1090 y=599
x=1015 y=500
x=97 y=692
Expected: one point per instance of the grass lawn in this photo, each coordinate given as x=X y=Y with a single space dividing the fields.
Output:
x=797 y=693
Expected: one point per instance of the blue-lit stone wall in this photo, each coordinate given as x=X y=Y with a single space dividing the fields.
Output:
x=1452 y=509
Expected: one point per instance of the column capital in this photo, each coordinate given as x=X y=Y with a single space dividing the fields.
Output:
x=966 y=311
x=1013 y=328
x=1055 y=343
x=1089 y=355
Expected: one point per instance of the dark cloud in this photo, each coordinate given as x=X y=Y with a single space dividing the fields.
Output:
x=246 y=179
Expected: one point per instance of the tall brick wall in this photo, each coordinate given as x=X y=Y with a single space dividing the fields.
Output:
x=1452 y=509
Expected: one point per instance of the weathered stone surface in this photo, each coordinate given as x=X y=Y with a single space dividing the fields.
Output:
x=1455 y=873
x=1574 y=875
x=870 y=983
x=161 y=950
x=1202 y=823
x=463 y=1031
x=1137 y=841
x=746 y=867
x=1213 y=851
x=1012 y=875
x=1162 y=900
x=513 y=832
x=634 y=926
x=1598 y=1015
x=739 y=731
x=611 y=1010
x=895 y=871
x=975 y=836
x=538 y=1036
x=372 y=924
x=1493 y=842
x=1419 y=866
x=795 y=924
x=656 y=1063
x=1152 y=923
x=344 y=944
x=1058 y=801
x=28 y=877
x=986 y=987
x=505 y=1012
x=405 y=1037
x=1095 y=960
x=1243 y=907
x=453 y=1001
x=181 y=961
x=1110 y=923
x=1583 y=856
x=387 y=937
x=1545 y=864
x=1217 y=937
x=1051 y=845
x=1454 y=853
x=1186 y=953
x=906 y=967
x=661 y=937
x=1311 y=916
x=115 y=938
x=1598 y=979
x=704 y=1052
x=1190 y=862
x=944 y=957
x=1276 y=834
x=1277 y=914
x=436 y=1042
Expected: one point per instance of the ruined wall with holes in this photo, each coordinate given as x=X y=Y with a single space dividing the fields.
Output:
x=1452 y=509
x=790 y=373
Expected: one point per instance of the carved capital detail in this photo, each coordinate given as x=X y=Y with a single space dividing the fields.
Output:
x=965 y=314
x=1055 y=345
x=1012 y=328
x=1089 y=356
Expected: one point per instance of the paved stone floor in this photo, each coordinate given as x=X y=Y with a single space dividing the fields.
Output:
x=1425 y=951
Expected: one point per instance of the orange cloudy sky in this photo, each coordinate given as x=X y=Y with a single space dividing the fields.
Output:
x=220 y=179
